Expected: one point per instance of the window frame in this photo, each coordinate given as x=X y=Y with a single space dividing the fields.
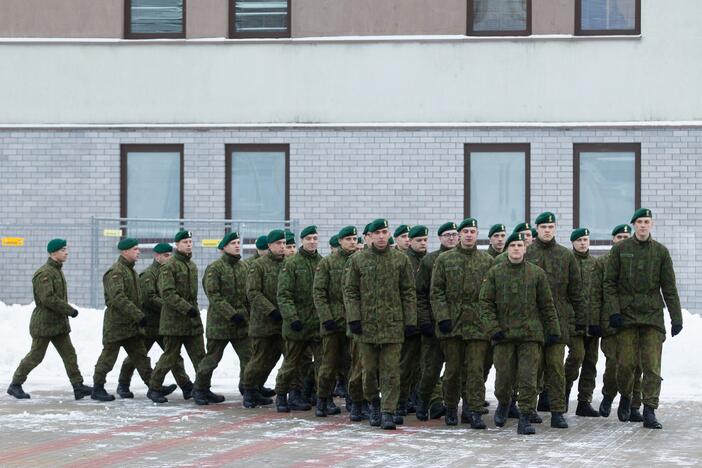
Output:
x=579 y=148
x=471 y=32
x=128 y=34
x=579 y=31
x=469 y=148
x=233 y=34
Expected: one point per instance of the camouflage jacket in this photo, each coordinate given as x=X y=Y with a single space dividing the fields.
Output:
x=295 y=295
x=225 y=285
x=592 y=291
x=123 y=301
x=328 y=290
x=177 y=284
x=262 y=293
x=563 y=275
x=151 y=302
x=415 y=259
x=51 y=312
x=516 y=299
x=423 y=285
x=636 y=274
x=492 y=252
x=455 y=291
x=598 y=279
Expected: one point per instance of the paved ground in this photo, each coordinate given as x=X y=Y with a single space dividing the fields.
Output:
x=52 y=429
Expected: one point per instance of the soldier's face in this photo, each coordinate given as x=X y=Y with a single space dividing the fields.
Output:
x=185 y=246
x=469 y=236
x=498 y=241
x=234 y=247
x=132 y=254
x=546 y=231
x=528 y=238
x=60 y=255
x=277 y=247
x=582 y=245
x=449 y=239
x=349 y=243
x=515 y=251
x=310 y=243
x=620 y=237
x=419 y=244
x=643 y=226
x=403 y=241
x=161 y=258
x=380 y=238
x=290 y=250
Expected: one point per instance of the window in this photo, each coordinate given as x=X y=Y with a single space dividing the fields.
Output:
x=499 y=17
x=605 y=17
x=151 y=19
x=496 y=184
x=151 y=188
x=259 y=18
x=606 y=186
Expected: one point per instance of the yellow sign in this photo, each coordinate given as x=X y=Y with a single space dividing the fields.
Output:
x=13 y=241
x=210 y=242
x=112 y=233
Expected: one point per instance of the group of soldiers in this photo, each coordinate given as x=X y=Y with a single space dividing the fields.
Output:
x=378 y=319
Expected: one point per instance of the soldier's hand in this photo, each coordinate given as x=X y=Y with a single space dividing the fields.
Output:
x=275 y=315
x=355 y=327
x=616 y=321
x=142 y=322
x=410 y=330
x=499 y=336
x=445 y=326
x=675 y=329
x=237 y=319
x=193 y=312
x=330 y=325
x=594 y=330
x=552 y=340
x=74 y=314
x=579 y=327
x=427 y=329
x=296 y=326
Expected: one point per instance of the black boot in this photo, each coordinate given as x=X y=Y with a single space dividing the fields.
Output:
x=387 y=421
x=355 y=415
x=331 y=408
x=544 y=404
x=524 y=426
x=451 y=418
x=308 y=392
x=437 y=410
x=500 y=416
x=249 y=398
x=513 y=410
x=624 y=409
x=398 y=420
x=422 y=412
x=267 y=392
x=123 y=391
x=585 y=409
x=558 y=421
x=605 y=406
x=200 y=397
x=81 y=391
x=365 y=410
x=156 y=396
x=321 y=409
x=187 y=390
x=100 y=394
x=281 y=403
x=297 y=402
x=465 y=415
x=374 y=416
x=213 y=397
x=635 y=415
x=649 y=418
x=412 y=402
x=168 y=389
x=16 y=391
x=261 y=400
x=534 y=418
x=402 y=408
x=476 y=420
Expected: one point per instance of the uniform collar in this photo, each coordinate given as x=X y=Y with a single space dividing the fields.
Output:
x=125 y=262
x=54 y=263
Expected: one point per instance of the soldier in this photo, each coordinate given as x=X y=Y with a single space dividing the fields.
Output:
x=563 y=274
x=266 y=320
x=360 y=245
x=529 y=235
x=638 y=270
x=334 y=243
x=181 y=324
x=583 y=348
x=227 y=317
x=517 y=311
x=455 y=288
x=49 y=323
x=151 y=306
x=380 y=302
x=401 y=237
x=261 y=247
x=497 y=236
x=430 y=402
x=327 y=292
x=290 y=247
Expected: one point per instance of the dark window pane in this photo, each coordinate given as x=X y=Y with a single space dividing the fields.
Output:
x=499 y=15
x=157 y=16
x=608 y=14
x=261 y=15
x=258 y=185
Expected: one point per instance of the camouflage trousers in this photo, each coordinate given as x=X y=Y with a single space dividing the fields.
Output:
x=464 y=372
x=265 y=352
x=583 y=352
x=36 y=354
x=355 y=386
x=554 y=376
x=430 y=383
x=297 y=364
x=488 y=362
x=609 y=378
x=334 y=348
x=136 y=351
x=195 y=347
x=410 y=365
x=381 y=362
x=644 y=343
x=215 y=351
x=516 y=367
x=127 y=370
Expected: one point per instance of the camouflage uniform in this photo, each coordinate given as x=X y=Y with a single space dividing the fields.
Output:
x=411 y=355
x=492 y=252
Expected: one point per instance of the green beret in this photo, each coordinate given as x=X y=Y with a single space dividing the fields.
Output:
x=468 y=222
x=418 y=231
x=365 y=229
x=515 y=236
x=163 y=248
x=497 y=228
x=521 y=227
x=127 y=243
x=262 y=243
x=622 y=228
x=450 y=226
x=534 y=234
x=391 y=241
x=545 y=217
x=275 y=235
x=334 y=240
x=229 y=237
x=55 y=244
x=377 y=225
x=307 y=231
x=578 y=233
x=183 y=235
x=359 y=240
x=401 y=229
x=347 y=231
x=289 y=237
x=641 y=213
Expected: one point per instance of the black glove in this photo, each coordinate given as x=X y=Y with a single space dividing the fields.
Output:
x=74 y=314
x=499 y=336
x=580 y=327
x=296 y=326
x=142 y=322
x=552 y=340
x=427 y=329
x=330 y=325
x=410 y=330
x=675 y=329
x=445 y=326
x=616 y=321
x=193 y=312
x=594 y=330
x=275 y=315
x=237 y=319
x=355 y=327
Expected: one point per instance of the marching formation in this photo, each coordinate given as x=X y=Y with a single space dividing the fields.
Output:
x=377 y=320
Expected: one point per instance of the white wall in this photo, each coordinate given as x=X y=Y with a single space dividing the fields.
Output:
x=653 y=78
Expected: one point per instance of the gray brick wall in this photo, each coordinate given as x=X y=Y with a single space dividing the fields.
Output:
x=337 y=177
